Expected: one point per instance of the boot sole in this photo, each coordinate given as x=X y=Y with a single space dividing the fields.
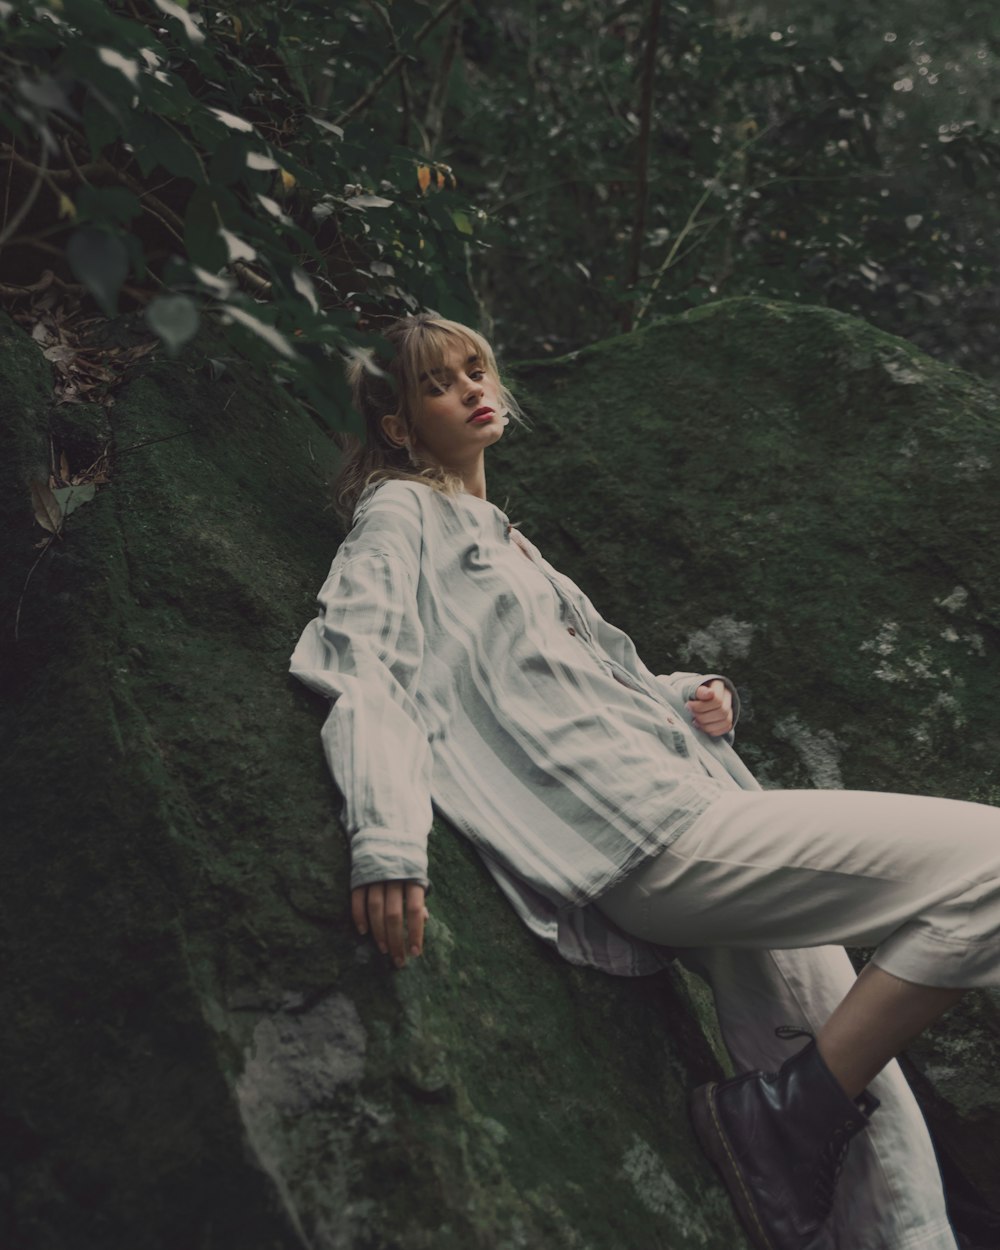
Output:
x=714 y=1142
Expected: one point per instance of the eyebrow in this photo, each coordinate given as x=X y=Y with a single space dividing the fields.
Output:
x=473 y=359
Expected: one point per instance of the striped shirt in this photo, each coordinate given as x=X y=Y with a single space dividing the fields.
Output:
x=467 y=678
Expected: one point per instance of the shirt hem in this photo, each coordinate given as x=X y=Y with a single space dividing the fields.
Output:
x=662 y=836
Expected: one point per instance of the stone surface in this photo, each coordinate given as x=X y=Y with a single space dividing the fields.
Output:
x=789 y=496
x=205 y=1053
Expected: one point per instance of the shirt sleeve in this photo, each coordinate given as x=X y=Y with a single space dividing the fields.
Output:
x=364 y=651
x=620 y=648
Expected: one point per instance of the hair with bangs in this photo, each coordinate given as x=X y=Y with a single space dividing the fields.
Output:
x=381 y=385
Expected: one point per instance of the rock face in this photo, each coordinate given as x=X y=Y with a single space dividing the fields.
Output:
x=786 y=495
x=205 y=1053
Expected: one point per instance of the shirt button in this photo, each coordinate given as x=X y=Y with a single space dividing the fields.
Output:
x=571 y=630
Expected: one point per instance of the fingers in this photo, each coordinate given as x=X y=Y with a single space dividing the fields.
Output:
x=394 y=922
x=712 y=708
x=376 y=915
x=415 y=915
x=391 y=909
x=358 y=912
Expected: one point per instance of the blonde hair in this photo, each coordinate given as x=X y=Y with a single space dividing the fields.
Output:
x=381 y=385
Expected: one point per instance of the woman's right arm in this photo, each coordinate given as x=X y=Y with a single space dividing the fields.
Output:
x=364 y=651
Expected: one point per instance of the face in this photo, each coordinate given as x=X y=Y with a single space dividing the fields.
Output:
x=448 y=399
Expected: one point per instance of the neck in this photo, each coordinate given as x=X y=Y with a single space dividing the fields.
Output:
x=473 y=475
x=475 y=480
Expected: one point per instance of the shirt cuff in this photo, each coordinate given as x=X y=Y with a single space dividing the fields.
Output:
x=383 y=855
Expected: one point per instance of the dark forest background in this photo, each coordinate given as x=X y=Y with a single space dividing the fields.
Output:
x=552 y=172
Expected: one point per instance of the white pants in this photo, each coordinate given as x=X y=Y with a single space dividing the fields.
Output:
x=763 y=874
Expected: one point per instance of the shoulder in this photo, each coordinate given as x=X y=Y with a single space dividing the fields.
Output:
x=390 y=518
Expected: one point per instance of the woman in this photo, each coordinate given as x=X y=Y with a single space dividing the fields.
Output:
x=609 y=805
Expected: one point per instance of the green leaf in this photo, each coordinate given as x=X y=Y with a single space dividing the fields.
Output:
x=229 y=161
x=232 y=121
x=45 y=94
x=267 y=332
x=201 y=231
x=175 y=319
x=155 y=143
x=107 y=204
x=70 y=497
x=99 y=260
x=102 y=126
x=126 y=66
x=368 y=201
x=462 y=221
x=193 y=31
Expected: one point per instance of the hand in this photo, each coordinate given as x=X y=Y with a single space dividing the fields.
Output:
x=712 y=708
x=383 y=906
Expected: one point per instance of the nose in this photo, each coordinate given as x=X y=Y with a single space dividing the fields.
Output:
x=473 y=389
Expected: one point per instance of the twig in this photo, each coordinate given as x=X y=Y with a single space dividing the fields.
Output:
x=434 y=116
x=57 y=175
x=691 y=222
x=12 y=225
x=151 y=204
x=120 y=451
x=28 y=240
x=260 y=286
x=395 y=63
x=404 y=82
x=612 y=107
x=17 y=615
x=163 y=211
x=6 y=199
x=44 y=282
x=645 y=113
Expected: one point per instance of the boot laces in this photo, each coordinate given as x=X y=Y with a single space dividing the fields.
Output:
x=788 y=1032
x=830 y=1164
x=831 y=1159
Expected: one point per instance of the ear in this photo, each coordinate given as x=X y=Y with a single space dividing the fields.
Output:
x=394 y=428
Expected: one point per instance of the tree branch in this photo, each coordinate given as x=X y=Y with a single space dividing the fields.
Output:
x=642 y=190
x=11 y=226
x=434 y=117
x=692 y=221
x=395 y=63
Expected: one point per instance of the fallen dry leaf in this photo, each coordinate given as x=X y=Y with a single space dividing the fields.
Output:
x=48 y=513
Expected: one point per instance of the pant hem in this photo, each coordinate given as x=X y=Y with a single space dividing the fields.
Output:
x=938 y=1236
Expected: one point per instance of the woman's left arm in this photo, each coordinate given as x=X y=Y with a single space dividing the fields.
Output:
x=711 y=698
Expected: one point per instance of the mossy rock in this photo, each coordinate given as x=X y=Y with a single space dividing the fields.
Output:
x=206 y=1054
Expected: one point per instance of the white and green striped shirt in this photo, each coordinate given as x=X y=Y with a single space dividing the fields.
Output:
x=467 y=678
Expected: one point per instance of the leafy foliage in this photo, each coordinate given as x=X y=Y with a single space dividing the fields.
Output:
x=847 y=158
x=295 y=171
x=188 y=159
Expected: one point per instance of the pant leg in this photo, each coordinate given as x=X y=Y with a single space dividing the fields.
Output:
x=916 y=877
x=763 y=874
x=889 y=1196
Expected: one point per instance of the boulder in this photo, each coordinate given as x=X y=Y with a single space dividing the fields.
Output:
x=792 y=497
x=205 y=1052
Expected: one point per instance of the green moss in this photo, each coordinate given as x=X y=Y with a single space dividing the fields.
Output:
x=207 y=1054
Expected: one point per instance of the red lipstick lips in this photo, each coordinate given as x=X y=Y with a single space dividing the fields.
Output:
x=480 y=414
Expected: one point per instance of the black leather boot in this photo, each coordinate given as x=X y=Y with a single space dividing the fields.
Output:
x=778 y=1139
